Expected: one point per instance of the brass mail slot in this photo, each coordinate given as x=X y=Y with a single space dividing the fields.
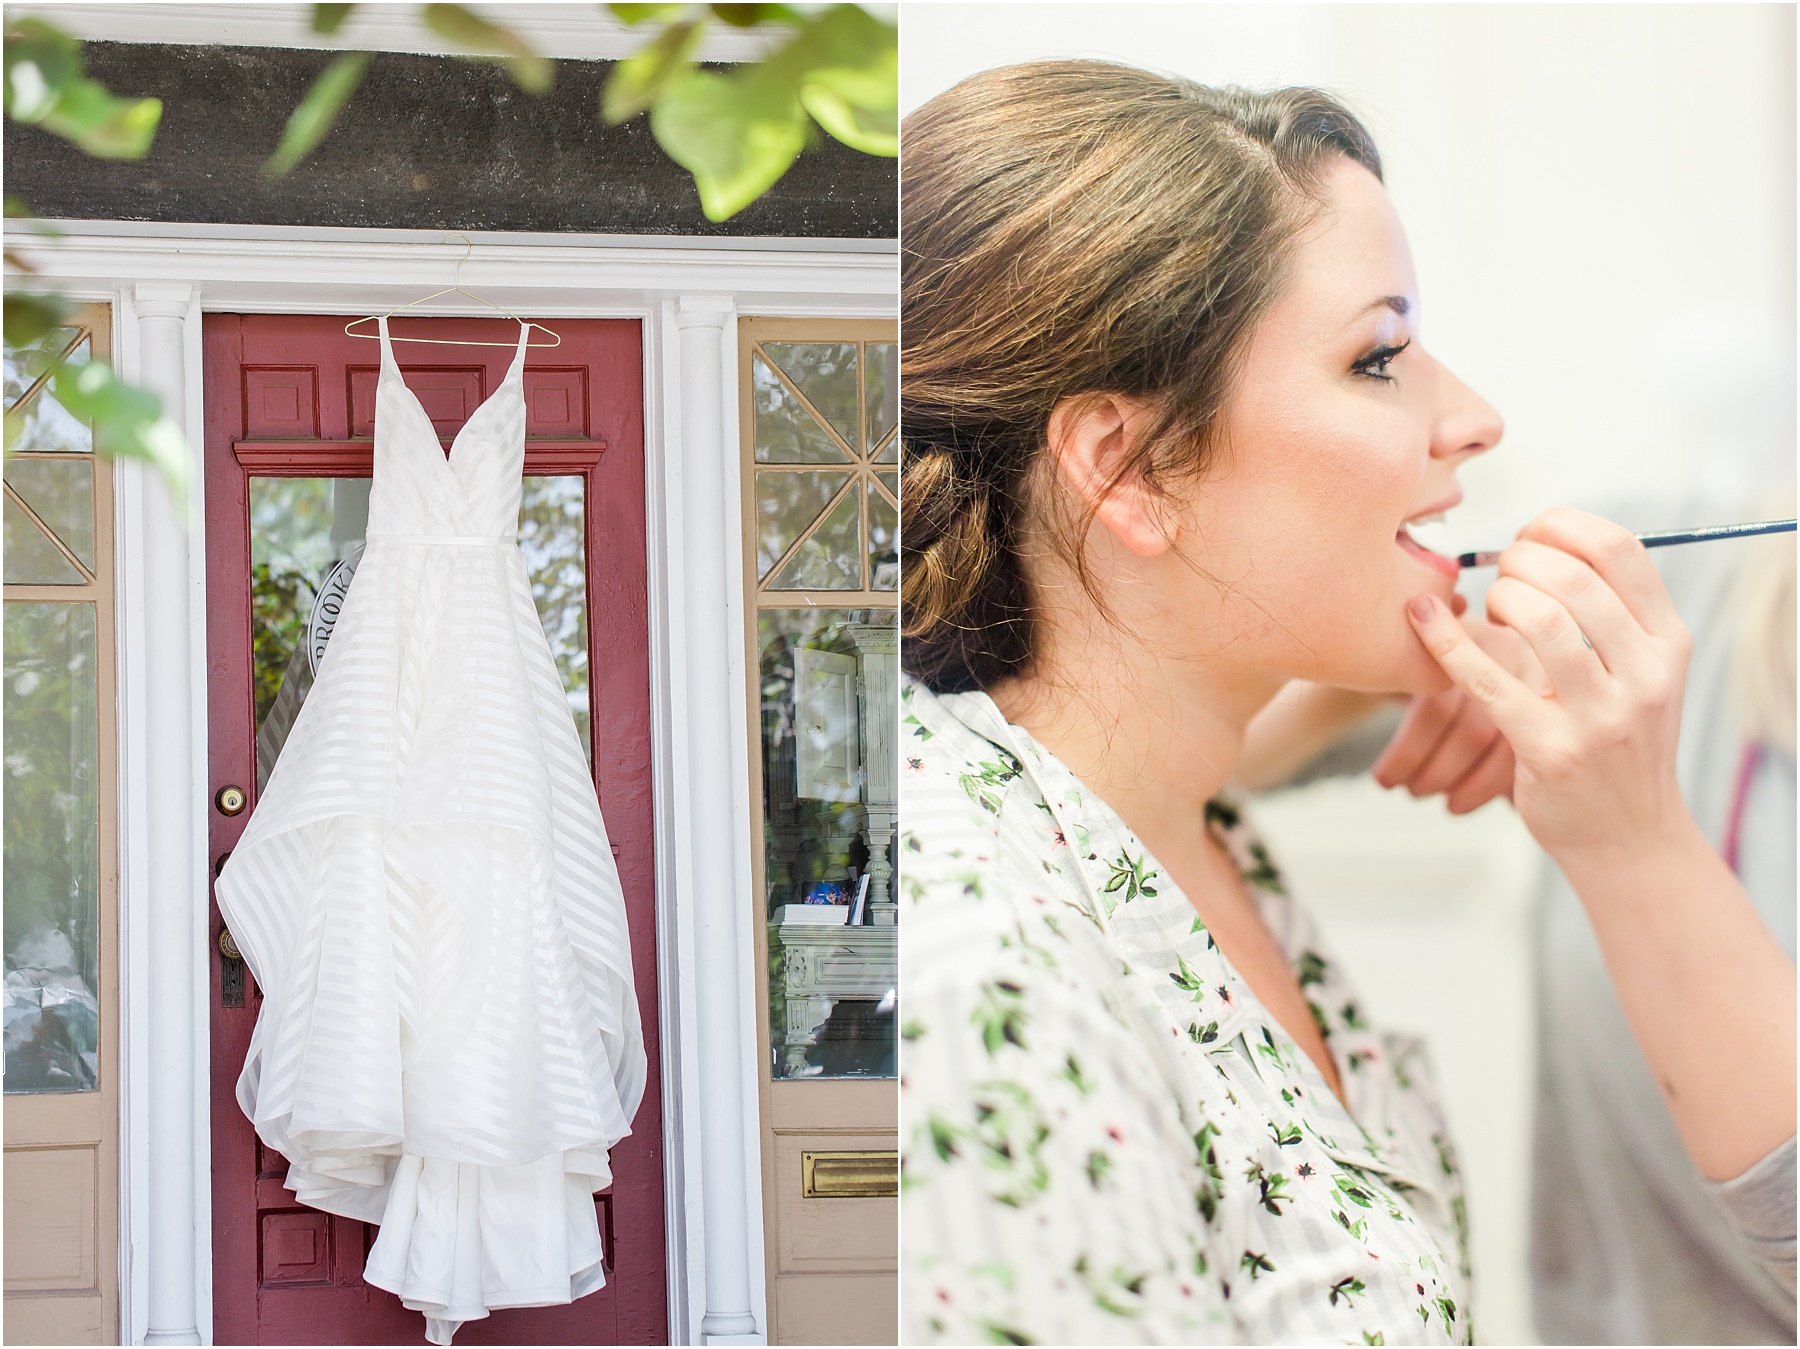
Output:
x=849 y=1175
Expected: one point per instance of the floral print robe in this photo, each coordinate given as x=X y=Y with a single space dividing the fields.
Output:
x=1106 y=1137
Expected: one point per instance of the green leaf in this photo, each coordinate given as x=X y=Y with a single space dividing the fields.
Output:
x=737 y=134
x=639 y=78
x=30 y=317
x=104 y=126
x=632 y=15
x=318 y=111
x=127 y=421
x=40 y=60
x=873 y=131
x=848 y=65
x=483 y=37
x=45 y=87
x=753 y=16
x=327 y=18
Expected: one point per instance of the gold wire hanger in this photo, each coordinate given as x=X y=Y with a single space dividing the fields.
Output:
x=455 y=287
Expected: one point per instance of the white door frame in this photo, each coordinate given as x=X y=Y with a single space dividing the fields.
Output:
x=688 y=293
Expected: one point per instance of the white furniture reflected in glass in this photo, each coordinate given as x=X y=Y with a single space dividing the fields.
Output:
x=833 y=790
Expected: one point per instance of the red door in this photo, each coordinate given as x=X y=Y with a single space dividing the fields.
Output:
x=290 y=404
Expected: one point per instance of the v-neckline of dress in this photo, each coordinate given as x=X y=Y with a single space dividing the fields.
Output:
x=390 y=368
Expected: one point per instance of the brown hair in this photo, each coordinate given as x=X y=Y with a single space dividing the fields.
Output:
x=1072 y=227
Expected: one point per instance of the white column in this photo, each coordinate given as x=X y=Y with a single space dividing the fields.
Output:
x=713 y=645
x=171 y=904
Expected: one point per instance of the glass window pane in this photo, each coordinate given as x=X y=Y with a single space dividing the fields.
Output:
x=882 y=396
x=785 y=431
x=26 y=362
x=306 y=538
x=884 y=536
x=829 y=680
x=826 y=373
x=786 y=503
x=31 y=559
x=889 y=453
x=832 y=558
x=52 y=863
x=61 y=491
x=48 y=424
x=553 y=539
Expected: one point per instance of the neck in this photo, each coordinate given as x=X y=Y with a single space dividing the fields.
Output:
x=1156 y=734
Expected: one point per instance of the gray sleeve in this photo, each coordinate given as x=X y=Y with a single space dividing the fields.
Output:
x=1760 y=1205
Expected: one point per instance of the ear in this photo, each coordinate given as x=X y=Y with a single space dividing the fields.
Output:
x=1090 y=438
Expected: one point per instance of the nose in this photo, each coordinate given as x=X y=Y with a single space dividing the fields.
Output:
x=1466 y=424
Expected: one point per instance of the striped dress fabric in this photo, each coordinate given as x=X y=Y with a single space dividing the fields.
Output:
x=449 y=1040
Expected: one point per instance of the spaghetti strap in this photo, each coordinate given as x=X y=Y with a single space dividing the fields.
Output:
x=389 y=367
x=518 y=360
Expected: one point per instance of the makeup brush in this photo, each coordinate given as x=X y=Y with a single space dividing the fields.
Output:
x=1487 y=559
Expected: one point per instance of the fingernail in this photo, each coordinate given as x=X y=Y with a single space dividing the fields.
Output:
x=1422 y=608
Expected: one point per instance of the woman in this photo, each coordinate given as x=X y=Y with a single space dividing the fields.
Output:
x=1167 y=418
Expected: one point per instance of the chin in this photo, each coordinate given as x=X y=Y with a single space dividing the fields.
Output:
x=1400 y=666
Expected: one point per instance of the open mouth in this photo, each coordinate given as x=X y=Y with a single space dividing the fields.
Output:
x=1411 y=546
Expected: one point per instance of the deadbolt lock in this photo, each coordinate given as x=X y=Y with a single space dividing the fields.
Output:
x=231 y=800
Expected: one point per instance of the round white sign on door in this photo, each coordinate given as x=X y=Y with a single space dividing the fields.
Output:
x=329 y=605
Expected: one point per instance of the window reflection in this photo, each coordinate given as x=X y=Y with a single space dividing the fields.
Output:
x=306 y=541
x=52 y=848
x=829 y=685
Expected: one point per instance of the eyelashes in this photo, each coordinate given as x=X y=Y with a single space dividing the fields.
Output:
x=1375 y=364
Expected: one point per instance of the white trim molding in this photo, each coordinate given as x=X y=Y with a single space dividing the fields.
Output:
x=568 y=32
x=165 y=1242
x=720 y=882
x=688 y=294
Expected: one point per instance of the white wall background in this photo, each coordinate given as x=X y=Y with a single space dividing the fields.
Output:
x=1600 y=200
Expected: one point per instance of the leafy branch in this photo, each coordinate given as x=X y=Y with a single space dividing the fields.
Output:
x=480 y=39
x=47 y=86
x=736 y=131
x=739 y=132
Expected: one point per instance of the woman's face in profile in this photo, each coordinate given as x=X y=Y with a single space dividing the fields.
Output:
x=1340 y=429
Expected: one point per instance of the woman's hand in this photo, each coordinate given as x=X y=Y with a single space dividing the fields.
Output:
x=1594 y=749
x=1447 y=743
x=1707 y=989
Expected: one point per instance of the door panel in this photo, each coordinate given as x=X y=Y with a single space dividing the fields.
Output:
x=61 y=873
x=289 y=413
x=818 y=409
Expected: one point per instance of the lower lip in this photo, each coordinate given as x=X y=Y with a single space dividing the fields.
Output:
x=1436 y=561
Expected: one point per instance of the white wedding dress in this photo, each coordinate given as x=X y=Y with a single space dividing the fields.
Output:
x=449 y=1039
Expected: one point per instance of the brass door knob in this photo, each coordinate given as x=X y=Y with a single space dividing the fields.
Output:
x=231 y=800
x=227 y=946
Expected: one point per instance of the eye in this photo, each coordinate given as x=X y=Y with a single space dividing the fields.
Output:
x=1375 y=364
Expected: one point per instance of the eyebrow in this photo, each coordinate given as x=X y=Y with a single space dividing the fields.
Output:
x=1398 y=303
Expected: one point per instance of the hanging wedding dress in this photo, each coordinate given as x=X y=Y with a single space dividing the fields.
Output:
x=449 y=1041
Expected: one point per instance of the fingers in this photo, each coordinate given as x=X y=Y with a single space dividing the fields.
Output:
x=1619 y=559
x=1419 y=733
x=1492 y=777
x=1574 y=668
x=1459 y=752
x=1519 y=713
x=1599 y=613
